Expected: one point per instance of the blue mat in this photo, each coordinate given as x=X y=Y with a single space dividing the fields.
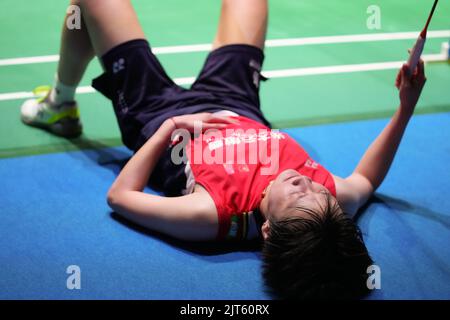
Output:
x=54 y=214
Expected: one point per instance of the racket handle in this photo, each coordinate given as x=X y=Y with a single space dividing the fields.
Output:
x=415 y=54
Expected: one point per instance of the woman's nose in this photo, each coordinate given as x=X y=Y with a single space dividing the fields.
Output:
x=304 y=183
x=308 y=179
x=307 y=184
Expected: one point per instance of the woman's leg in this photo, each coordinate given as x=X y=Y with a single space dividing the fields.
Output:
x=104 y=25
x=242 y=22
x=75 y=53
x=109 y=23
x=233 y=71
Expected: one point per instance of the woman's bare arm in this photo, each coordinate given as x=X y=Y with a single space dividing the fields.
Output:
x=190 y=217
x=373 y=167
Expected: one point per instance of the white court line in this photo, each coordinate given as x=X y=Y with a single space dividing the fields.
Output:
x=285 y=73
x=372 y=37
x=347 y=68
x=29 y=60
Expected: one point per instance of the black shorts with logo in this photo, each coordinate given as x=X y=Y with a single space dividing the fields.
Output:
x=144 y=96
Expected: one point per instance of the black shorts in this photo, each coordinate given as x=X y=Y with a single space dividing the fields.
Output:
x=144 y=96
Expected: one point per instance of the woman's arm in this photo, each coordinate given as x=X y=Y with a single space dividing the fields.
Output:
x=134 y=176
x=373 y=167
x=190 y=217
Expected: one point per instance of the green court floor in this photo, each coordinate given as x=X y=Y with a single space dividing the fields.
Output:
x=34 y=30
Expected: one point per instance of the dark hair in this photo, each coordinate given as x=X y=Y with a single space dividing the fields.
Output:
x=321 y=257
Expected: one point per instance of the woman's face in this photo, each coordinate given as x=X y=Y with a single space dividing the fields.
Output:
x=291 y=192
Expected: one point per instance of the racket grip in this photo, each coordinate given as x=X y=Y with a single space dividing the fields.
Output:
x=415 y=54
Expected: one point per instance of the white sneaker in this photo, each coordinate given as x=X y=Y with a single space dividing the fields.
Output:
x=62 y=120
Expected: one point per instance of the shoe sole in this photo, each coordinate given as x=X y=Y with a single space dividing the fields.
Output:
x=66 y=128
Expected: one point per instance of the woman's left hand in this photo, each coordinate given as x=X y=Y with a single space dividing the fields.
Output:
x=203 y=120
x=410 y=86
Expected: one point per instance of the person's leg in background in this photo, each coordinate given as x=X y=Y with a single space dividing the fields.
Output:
x=242 y=22
x=105 y=24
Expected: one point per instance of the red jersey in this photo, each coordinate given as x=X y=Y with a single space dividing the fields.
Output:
x=236 y=164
